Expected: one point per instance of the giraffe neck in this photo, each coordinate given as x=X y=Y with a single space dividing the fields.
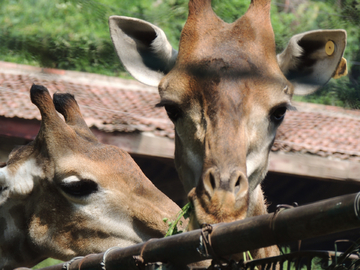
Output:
x=257 y=204
x=257 y=207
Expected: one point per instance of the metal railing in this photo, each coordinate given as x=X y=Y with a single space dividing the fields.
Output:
x=222 y=240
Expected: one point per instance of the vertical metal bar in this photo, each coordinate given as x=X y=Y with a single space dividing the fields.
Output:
x=309 y=262
x=289 y=264
x=281 y=263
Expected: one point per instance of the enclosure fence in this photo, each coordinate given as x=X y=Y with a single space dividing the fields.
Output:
x=219 y=241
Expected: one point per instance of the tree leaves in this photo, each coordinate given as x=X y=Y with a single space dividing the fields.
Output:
x=73 y=34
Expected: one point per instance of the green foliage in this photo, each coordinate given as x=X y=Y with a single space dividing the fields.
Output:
x=73 y=34
x=60 y=34
x=343 y=261
x=173 y=225
x=315 y=265
x=46 y=263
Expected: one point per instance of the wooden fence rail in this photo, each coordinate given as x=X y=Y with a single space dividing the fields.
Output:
x=287 y=225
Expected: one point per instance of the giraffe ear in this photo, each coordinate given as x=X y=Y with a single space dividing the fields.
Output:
x=17 y=178
x=312 y=58
x=142 y=48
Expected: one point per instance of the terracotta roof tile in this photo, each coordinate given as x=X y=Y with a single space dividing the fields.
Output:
x=321 y=133
x=107 y=107
x=117 y=105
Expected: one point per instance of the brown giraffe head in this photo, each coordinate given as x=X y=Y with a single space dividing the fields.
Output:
x=227 y=72
x=65 y=194
x=227 y=92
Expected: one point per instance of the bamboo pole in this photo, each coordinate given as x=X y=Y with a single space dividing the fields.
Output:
x=317 y=219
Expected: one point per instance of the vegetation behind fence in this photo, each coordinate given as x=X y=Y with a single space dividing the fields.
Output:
x=73 y=34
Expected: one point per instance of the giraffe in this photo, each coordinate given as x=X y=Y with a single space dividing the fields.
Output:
x=65 y=194
x=227 y=92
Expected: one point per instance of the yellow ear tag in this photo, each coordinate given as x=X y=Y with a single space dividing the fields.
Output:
x=330 y=48
x=341 y=69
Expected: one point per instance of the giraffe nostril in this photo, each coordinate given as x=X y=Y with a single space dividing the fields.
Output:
x=237 y=184
x=240 y=183
x=212 y=180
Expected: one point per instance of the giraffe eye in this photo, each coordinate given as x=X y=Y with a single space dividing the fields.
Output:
x=279 y=114
x=173 y=112
x=80 y=188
